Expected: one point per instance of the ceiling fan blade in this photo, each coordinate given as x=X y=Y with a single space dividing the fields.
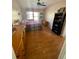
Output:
x=43 y=5
x=38 y=0
x=38 y=3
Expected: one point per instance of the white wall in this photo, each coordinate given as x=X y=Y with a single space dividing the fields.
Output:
x=15 y=16
x=15 y=10
x=50 y=12
x=13 y=54
x=15 y=5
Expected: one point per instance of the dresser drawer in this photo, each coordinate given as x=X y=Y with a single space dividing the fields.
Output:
x=21 y=57
x=17 y=43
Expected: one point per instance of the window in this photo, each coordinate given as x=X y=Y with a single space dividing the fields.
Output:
x=29 y=15
x=32 y=15
x=36 y=16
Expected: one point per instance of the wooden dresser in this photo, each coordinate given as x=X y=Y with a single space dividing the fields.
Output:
x=17 y=41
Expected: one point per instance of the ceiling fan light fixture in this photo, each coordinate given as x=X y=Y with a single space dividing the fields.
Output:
x=38 y=3
x=41 y=4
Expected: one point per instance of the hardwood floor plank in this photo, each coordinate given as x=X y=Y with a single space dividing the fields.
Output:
x=42 y=44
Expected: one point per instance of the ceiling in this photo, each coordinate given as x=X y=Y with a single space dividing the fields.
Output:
x=33 y=3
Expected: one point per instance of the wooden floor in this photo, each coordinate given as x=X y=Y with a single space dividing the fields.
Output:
x=42 y=44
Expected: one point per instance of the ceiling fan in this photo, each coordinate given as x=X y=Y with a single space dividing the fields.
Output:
x=41 y=3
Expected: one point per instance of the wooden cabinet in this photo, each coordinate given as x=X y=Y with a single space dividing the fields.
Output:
x=17 y=42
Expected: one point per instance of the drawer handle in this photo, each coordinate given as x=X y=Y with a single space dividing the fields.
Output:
x=17 y=56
